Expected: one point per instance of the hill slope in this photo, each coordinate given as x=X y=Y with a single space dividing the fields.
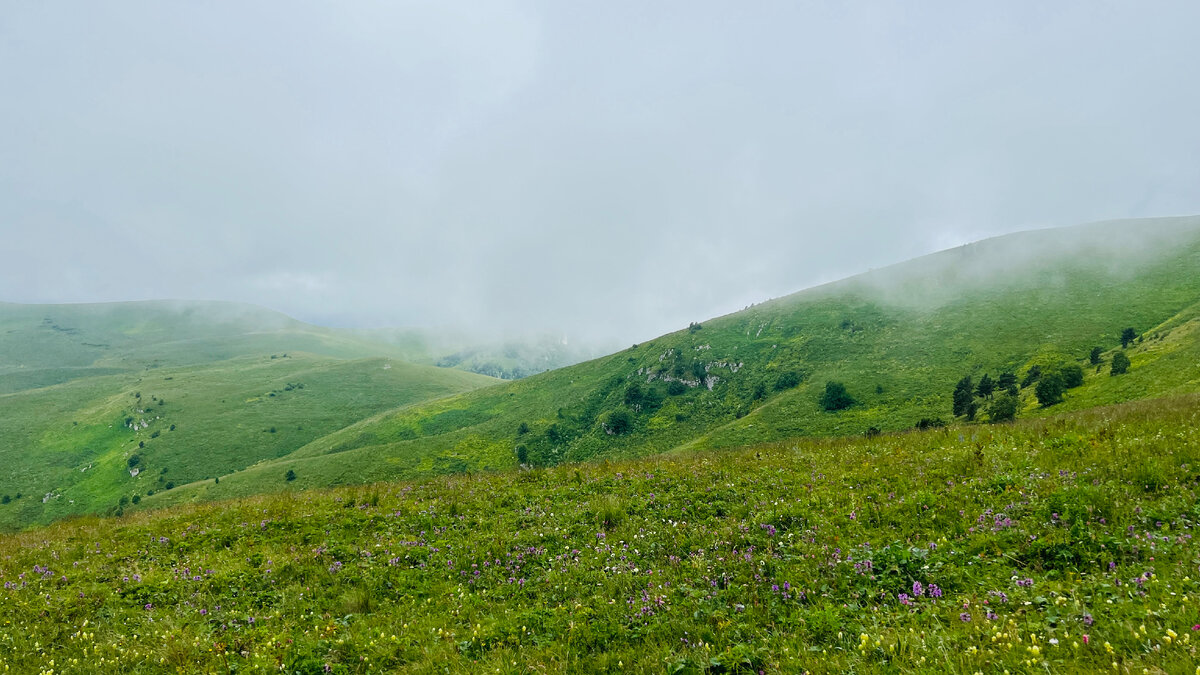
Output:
x=898 y=338
x=104 y=403
x=1057 y=545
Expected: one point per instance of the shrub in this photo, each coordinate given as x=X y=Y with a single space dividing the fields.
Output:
x=676 y=388
x=290 y=475
x=1127 y=336
x=134 y=460
x=1094 y=356
x=787 y=380
x=1050 y=390
x=1072 y=376
x=836 y=397
x=1003 y=408
x=522 y=454
x=1120 y=363
x=930 y=423
x=618 y=422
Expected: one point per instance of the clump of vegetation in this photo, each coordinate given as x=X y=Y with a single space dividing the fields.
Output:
x=1050 y=390
x=1120 y=364
x=836 y=397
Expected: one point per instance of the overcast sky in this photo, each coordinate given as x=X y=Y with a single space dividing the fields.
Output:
x=605 y=170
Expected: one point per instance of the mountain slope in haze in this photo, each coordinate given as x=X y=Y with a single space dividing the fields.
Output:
x=897 y=338
x=509 y=359
x=106 y=403
x=49 y=344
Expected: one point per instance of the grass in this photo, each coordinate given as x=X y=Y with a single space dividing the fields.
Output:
x=898 y=339
x=210 y=390
x=1061 y=544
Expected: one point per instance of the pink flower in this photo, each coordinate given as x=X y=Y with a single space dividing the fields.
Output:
x=1085 y=638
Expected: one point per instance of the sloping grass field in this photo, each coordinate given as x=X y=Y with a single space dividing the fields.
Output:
x=898 y=339
x=153 y=395
x=1062 y=544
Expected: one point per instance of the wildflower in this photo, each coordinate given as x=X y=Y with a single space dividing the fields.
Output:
x=934 y=591
x=1086 y=639
x=918 y=590
x=965 y=617
x=903 y=597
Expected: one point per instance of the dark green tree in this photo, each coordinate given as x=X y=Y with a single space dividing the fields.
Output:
x=836 y=397
x=787 y=380
x=1049 y=390
x=986 y=386
x=522 y=454
x=522 y=430
x=1127 y=336
x=619 y=422
x=964 y=395
x=1032 y=375
x=1120 y=363
x=1094 y=356
x=1003 y=408
x=1072 y=376
x=290 y=475
x=1006 y=381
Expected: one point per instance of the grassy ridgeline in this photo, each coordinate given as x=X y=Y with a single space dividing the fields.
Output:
x=1061 y=544
x=898 y=339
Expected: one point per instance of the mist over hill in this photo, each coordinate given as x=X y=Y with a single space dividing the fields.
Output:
x=897 y=340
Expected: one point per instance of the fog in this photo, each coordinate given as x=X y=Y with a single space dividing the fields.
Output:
x=604 y=171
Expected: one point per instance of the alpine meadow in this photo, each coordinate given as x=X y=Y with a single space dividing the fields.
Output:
x=525 y=338
x=802 y=485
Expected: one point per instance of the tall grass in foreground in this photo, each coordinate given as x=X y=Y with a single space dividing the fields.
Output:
x=1061 y=544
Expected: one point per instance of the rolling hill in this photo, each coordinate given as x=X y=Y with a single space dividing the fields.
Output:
x=103 y=404
x=898 y=339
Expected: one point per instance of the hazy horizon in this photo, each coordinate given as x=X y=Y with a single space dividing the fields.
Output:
x=606 y=172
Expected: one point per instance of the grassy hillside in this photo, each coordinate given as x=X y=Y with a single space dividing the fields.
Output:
x=48 y=344
x=899 y=339
x=174 y=393
x=1051 y=545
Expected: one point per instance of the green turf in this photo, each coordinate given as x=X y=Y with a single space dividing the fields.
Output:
x=231 y=380
x=1059 y=545
x=898 y=338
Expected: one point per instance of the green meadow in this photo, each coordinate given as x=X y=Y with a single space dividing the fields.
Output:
x=174 y=394
x=1060 y=544
x=979 y=461
x=898 y=339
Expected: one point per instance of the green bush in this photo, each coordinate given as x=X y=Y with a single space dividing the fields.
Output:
x=836 y=397
x=1120 y=364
